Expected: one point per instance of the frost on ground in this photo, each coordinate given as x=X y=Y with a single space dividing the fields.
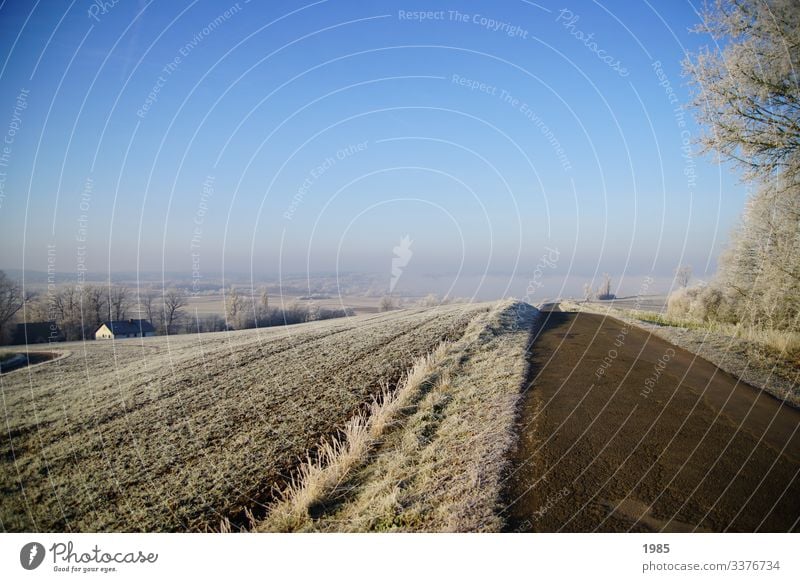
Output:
x=182 y=433
x=747 y=360
x=431 y=456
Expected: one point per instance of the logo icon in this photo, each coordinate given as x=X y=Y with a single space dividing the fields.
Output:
x=31 y=555
x=402 y=255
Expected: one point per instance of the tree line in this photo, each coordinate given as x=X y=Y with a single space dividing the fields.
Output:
x=79 y=310
x=747 y=96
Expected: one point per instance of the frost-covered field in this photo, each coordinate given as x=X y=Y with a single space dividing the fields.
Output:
x=179 y=433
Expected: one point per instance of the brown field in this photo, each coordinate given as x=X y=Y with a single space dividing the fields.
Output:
x=203 y=305
x=176 y=434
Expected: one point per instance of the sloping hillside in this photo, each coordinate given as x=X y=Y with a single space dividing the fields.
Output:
x=175 y=434
x=430 y=457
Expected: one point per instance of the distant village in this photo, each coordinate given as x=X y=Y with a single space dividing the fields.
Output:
x=113 y=312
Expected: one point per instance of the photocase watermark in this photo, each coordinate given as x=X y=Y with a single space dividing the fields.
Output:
x=67 y=559
x=552 y=500
x=658 y=369
x=171 y=67
x=206 y=194
x=550 y=503
x=31 y=555
x=10 y=136
x=549 y=260
x=318 y=171
x=679 y=114
x=523 y=108
x=511 y=30
x=568 y=20
x=100 y=8
x=622 y=334
x=402 y=256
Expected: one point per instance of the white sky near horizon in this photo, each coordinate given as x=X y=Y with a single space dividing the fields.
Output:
x=327 y=131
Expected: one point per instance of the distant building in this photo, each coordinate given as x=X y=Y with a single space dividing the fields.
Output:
x=124 y=329
x=37 y=332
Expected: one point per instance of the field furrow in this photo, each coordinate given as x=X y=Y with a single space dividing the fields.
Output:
x=177 y=434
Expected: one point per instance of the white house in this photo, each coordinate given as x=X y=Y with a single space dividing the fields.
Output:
x=123 y=329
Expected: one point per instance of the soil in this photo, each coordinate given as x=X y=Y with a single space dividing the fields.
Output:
x=623 y=431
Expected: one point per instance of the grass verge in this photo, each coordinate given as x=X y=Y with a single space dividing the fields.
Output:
x=431 y=455
x=766 y=359
x=781 y=343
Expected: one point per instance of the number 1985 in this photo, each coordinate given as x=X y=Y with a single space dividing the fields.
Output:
x=656 y=548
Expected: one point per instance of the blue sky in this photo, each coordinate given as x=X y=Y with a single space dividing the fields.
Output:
x=326 y=131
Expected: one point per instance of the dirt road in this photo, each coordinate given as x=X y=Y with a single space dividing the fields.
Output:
x=621 y=431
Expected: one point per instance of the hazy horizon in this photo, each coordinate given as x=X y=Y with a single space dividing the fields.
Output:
x=247 y=139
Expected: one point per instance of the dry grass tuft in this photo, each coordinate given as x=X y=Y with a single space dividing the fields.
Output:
x=780 y=342
x=430 y=456
x=321 y=476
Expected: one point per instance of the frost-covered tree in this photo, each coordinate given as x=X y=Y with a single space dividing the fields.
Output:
x=588 y=292
x=430 y=300
x=760 y=271
x=234 y=308
x=747 y=94
x=746 y=84
x=265 y=301
x=683 y=275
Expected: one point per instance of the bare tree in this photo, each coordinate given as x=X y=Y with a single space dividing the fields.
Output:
x=12 y=299
x=147 y=305
x=683 y=275
x=151 y=309
x=263 y=309
x=604 y=291
x=297 y=312
x=174 y=302
x=386 y=304
x=67 y=311
x=747 y=92
x=119 y=301
x=94 y=306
